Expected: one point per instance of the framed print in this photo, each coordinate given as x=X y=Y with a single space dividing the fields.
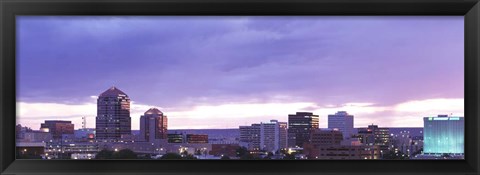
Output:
x=239 y=87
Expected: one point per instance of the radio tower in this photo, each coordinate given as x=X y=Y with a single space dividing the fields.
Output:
x=84 y=122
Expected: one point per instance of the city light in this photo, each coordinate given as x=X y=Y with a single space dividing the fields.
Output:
x=262 y=140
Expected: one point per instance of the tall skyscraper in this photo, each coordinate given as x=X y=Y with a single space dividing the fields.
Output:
x=113 y=115
x=283 y=131
x=343 y=122
x=153 y=125
x=300 y=126
x=273 y=135
x=443 y=135
x=269 y=136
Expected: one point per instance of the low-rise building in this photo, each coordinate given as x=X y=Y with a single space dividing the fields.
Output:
x=229 y=150
x=197 y=138
x=374 y=135
x=83 y=156
x=175 y=138
x=36 y=136
x=30 y=149
x=345 y=152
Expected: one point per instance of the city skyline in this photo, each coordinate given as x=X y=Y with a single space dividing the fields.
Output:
x=221 y=72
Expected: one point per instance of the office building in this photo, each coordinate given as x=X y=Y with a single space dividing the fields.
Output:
x=113 y=115
x=85 y=134
x=229 y=150
x=283 y=133
x=300 y=126
x=443 y=135
x=326 y=137
x=197 y=138
x=373 y=135
x=347 y=152
x=57 y=128
x=322 y=137
x=153 y=125
x=267 y=136
x=343 y=122
x=406 y=142
x=175 y=138
x=250 y=136
x=273 y=135
x=37 y=136
x=30 y=150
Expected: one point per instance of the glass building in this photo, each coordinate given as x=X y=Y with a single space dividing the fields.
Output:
x=113 y=115
x=343 y=122
x=443 y=135
x=153 y=125
x=373 y=135
x=300 y=126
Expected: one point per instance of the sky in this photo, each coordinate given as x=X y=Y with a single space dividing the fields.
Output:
x=222 y=72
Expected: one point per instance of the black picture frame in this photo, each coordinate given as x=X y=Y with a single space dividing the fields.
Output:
x=470 y=9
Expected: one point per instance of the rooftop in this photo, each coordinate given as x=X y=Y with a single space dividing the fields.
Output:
x=153 y=111
x=113 y=91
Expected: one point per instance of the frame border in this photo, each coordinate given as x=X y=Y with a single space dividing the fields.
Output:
x=470 y=9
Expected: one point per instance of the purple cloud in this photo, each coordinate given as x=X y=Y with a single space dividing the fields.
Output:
x=180 y=62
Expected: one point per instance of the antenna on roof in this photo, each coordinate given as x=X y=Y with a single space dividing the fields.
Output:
x=84 y=122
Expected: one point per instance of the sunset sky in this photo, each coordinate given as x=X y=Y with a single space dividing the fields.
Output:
x=222 y=72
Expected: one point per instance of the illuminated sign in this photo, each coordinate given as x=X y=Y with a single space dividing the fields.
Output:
x=440 y=118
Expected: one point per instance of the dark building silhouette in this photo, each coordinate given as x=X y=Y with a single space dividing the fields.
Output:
x=57 y=128
x=373 y=135
x=326 y=137
x=153 y=125
x=229 y=150
x=113 y=115
x=27 y=150
x=300 y=126
x=321 y=138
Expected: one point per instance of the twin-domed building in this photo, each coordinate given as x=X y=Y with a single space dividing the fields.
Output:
x=113 y=118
